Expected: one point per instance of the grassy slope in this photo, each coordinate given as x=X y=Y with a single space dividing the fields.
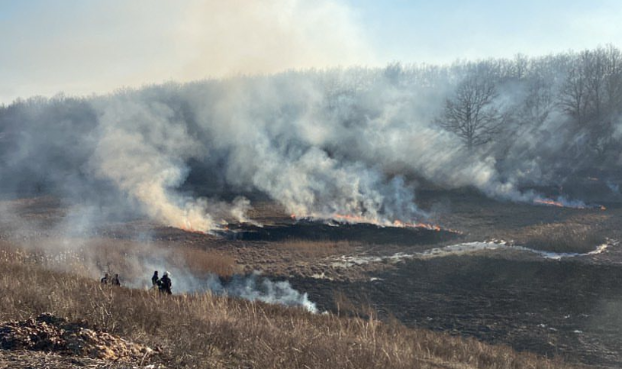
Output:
x=208 y=331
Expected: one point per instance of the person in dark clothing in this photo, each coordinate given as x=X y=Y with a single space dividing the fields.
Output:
x=116 y=281
x=165 y=283
x=106 y=279
x=155 y=280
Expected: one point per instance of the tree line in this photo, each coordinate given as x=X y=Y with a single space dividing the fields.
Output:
x=536 y=119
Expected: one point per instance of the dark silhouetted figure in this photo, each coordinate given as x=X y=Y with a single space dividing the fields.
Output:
x=165 y=284
x=155 y=280
x=106 y=279
x=116 y=281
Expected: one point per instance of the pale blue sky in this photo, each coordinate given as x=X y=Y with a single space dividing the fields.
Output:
x=445 y=30
x=82 y=47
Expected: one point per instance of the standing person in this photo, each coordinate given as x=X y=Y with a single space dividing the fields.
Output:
x=116 y=281
x=106 y=279
x=166 y=284
x=155 y=280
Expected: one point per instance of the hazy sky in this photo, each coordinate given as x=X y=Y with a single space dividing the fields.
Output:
x=446 y=30
x=83 y=47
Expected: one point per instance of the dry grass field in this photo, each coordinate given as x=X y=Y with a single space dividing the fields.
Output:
x=206 y=331
x=380 y=312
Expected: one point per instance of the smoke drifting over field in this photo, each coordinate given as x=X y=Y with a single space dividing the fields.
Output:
x=257 y=288
x=346 y=141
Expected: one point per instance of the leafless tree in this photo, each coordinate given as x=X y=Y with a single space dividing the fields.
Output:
x=573 y=97
x=537 y=104
x=613 y=81
x=592 y=95
x=471 y=113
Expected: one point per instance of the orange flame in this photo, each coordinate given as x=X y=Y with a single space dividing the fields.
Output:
x=191 y=230
x=552 y=203
x=428 y=226
x=187 y=227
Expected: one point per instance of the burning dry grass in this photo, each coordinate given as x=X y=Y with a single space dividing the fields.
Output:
x=204 y=331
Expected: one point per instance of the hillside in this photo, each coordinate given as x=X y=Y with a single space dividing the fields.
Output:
x=206 y=331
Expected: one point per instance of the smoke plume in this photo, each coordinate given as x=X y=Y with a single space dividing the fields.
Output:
x=341 y=142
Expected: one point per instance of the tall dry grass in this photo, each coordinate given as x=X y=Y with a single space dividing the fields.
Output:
x=201 y=261
x=561 y=237
x=127 y=258
x=205 y=331
x=313 y=249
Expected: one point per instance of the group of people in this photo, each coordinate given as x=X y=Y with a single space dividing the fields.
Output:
x=163 y=284
x=111 y=281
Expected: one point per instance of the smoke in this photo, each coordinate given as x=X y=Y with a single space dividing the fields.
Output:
x=334 y=144
x=143 y=148
x=140 y=260
x=256 y=288
x=341 y=142
x=72 y=247
x=251 y=287
x=140 y=266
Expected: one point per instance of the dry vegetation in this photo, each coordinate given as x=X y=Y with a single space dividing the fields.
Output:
x=94 y=257
x=208 y=261
x=561 y=237
x=313 y=249
x=205 y=331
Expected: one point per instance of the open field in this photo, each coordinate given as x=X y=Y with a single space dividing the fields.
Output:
x=206 y=331
x=329 y=184
x=565 y=308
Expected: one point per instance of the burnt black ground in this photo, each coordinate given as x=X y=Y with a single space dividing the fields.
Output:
x=334 y=231
x=571 y=309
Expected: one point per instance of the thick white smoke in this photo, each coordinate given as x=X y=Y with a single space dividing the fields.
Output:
x=250 y=287
x=337 y=143
x=283 y=136
x=257 y=288
x=142 y=148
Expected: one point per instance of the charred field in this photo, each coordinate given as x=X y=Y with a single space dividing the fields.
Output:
x=562 y=299
x=295 y=184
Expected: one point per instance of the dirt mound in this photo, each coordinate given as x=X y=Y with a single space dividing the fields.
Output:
x=53 y=334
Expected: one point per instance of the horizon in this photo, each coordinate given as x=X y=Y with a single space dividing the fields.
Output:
x=79 y=49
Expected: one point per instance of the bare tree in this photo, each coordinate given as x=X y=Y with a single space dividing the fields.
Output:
x=574 y=94
x=613 y=81
x=521 y=66
x=537 y=104
x=592 y=95
x=471 y=113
